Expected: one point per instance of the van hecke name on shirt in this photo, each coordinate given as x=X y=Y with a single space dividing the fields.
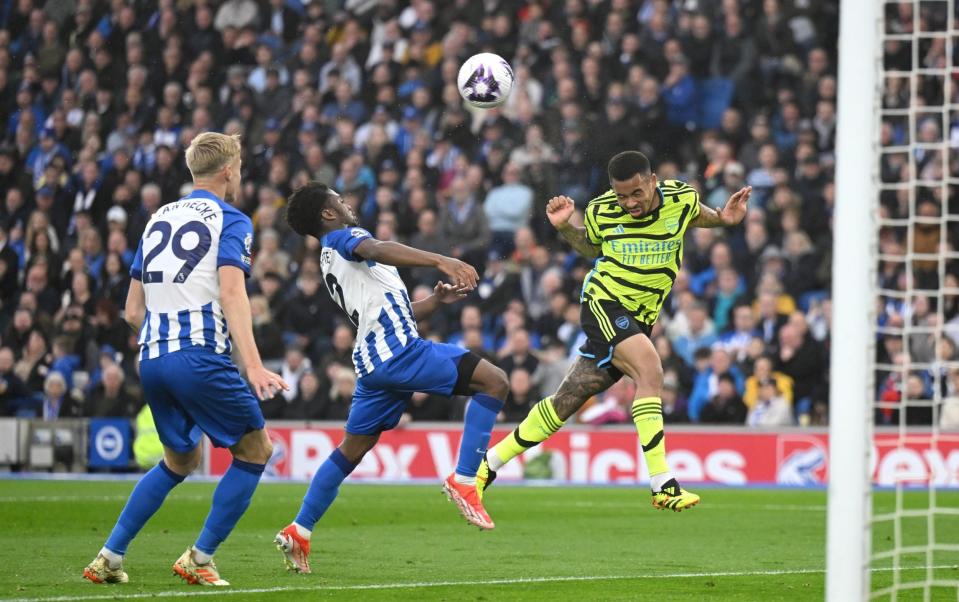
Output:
x=204 y=208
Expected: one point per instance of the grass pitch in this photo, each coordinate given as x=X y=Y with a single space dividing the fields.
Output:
x=382 y=542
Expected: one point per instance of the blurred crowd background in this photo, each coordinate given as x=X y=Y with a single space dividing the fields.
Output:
x=99 y=99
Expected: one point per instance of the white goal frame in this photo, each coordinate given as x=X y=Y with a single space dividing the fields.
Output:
x=848 y=524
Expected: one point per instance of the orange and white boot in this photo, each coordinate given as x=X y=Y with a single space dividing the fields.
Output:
x=198 y=574
x=295 y=549
x=99 y=571
x=468 y=501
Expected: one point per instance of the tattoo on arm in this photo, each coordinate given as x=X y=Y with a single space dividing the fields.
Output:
x=707 y=218
x=576 y=237
x=583 y=380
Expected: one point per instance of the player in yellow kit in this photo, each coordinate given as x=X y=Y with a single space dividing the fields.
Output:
x=635 y=233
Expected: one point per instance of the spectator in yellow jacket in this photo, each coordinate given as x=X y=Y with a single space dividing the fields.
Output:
x=762 y=370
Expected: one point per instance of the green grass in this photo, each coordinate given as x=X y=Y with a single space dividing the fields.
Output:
x=389 y=542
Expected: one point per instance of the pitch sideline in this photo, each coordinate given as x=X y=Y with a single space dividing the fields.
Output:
x=576 y=504
x=420 y=585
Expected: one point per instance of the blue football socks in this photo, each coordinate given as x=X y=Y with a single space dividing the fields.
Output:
x=480 y=417
x=144 y=501
x=230 y=500
x=323 y=489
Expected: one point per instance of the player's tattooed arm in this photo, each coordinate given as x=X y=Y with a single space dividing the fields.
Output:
x=576 y=237
x=730 y=215
x=583 y=380
x=559 y=210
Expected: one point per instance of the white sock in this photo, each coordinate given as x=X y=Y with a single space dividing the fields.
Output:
x=464 y=480
x=657 y=481
x=493 y=460
x=114 y=560
x=201 y=557
x=303 y=531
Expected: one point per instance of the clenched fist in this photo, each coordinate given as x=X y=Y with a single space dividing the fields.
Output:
x=559 y=209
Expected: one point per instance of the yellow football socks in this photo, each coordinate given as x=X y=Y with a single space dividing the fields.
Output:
x=538 y=426
x=648 y=417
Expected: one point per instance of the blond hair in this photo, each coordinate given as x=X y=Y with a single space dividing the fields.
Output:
x=210 y=152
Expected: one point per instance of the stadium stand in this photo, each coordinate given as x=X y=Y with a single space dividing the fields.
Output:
x=99 y=100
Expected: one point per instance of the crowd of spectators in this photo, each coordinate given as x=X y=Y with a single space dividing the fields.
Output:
x=100 y=98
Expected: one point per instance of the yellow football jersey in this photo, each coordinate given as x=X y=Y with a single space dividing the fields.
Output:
x=640 y=256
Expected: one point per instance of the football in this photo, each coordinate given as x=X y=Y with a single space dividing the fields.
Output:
x=485 y=80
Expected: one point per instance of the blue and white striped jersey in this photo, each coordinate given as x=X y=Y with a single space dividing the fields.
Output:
x=372 y=295
x=177 y=259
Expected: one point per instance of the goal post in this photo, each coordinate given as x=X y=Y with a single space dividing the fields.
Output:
x=895 y=272
x=853 y=299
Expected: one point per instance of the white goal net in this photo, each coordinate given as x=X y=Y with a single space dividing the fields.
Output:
x=904 y=539
x=915 y=530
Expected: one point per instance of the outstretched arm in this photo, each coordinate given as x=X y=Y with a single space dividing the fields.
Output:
x=442 y=293
x=402 y=256
x=559 y=209
x=396 y=254
x=730 y=215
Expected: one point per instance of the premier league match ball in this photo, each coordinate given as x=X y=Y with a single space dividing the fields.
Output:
x=485 y=80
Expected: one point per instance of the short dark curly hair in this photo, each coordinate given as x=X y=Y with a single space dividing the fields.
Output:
x=627 y=164
x=304 y=207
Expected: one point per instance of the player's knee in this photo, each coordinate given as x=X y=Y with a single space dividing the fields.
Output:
x=263 y=451
x=266 y=451
x=650 y=381
x=184 y=469
x=183 y=464
x=496 y=383
x=254 y=447
x=354 y=454
x=260 y=455
x=354 y=447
